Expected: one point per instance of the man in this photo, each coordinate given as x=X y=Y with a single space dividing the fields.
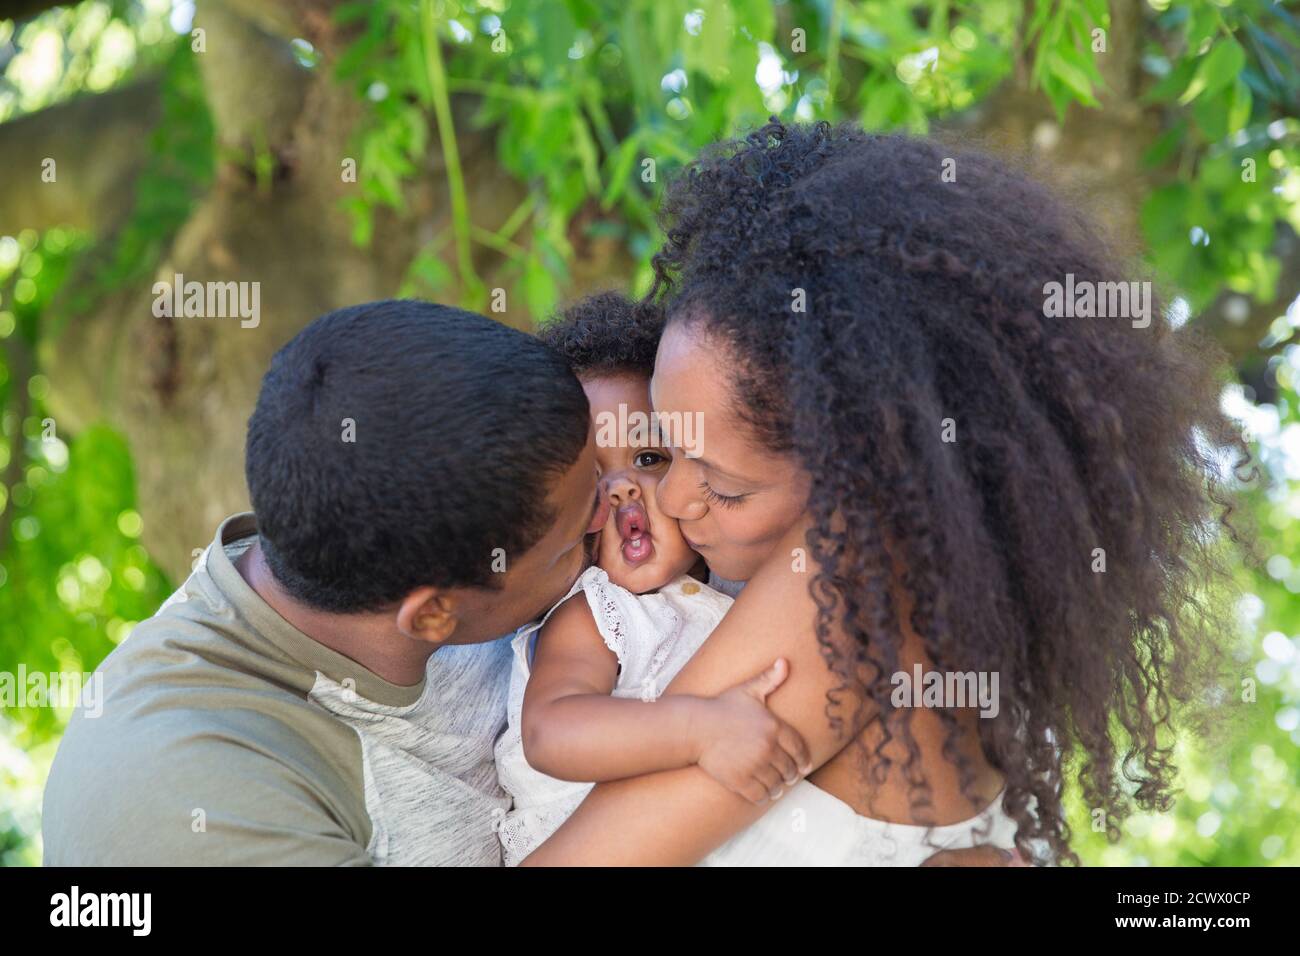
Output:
x=325 y=688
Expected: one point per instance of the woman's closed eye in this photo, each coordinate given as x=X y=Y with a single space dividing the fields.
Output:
x=726 y=501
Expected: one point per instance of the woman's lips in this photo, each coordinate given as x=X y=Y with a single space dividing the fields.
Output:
x=691 y=544
x=633 y=526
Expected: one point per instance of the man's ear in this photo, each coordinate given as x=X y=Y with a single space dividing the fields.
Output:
x=427 y=614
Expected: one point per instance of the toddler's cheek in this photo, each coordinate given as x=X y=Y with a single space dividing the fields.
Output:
x=676 y=552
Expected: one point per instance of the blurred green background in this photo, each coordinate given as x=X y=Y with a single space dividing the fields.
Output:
x=508 y=155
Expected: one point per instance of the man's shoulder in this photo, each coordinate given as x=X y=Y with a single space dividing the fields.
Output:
x=173 y=784
x=194 y=735
x=188 y=673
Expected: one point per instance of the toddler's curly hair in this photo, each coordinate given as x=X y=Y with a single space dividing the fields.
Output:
x=606 y=334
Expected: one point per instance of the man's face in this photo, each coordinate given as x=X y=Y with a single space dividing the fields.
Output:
x=535 y=580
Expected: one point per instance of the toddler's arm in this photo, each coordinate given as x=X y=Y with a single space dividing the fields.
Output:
x=574 y=730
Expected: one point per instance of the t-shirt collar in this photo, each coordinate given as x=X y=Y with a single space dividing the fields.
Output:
x=264 y=620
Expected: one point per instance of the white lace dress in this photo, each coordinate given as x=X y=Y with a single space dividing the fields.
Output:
x=652 y=635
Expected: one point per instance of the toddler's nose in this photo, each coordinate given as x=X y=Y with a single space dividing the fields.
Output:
x=620 y=490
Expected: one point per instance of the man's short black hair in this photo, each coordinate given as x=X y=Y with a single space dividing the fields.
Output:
x=606 y=333
x=397 y=444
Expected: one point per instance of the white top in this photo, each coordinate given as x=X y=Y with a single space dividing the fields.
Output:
x=652 y=635
x=810 y=827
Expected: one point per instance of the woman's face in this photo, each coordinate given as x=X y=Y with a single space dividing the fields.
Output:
x=734 y=496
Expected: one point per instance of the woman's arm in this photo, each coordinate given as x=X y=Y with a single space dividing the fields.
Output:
x=677 y=817
x=573 y=729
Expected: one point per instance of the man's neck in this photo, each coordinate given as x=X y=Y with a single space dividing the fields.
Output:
x=368 y=639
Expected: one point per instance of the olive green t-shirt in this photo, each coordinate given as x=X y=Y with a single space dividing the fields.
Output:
x=228 y=737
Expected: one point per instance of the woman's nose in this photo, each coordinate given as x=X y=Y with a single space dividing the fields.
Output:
x=676 y=497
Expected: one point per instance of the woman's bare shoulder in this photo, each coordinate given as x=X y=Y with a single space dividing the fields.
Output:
x=774 y=616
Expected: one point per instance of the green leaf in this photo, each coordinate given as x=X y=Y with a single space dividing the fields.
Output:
x=430 y=271
x=1172 y=83
x=1163 y=214
x=880 y=104
x=1202 y=25
x=1211 y=115
x=1166 y=145
x=1098 y=12
x=1216 y=69
x=539 y=287
x=1239 y=113
x=1074 y=79
x=586 y=150
x=620 y=170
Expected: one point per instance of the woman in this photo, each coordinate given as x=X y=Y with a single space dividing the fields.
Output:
x=915 y=461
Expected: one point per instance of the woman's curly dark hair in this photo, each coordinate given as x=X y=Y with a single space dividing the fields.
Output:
x=924 y=302
x=606 y=333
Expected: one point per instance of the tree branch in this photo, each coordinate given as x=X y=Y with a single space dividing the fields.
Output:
x=98 y=144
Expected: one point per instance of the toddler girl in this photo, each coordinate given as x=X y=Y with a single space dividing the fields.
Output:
x=584 y=702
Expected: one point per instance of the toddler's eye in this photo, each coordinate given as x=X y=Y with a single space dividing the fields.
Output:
x=649 y=459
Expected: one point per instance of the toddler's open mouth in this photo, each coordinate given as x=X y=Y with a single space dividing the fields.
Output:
x=633 y=526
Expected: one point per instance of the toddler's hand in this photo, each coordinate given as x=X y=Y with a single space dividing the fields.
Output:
x=744 y=746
